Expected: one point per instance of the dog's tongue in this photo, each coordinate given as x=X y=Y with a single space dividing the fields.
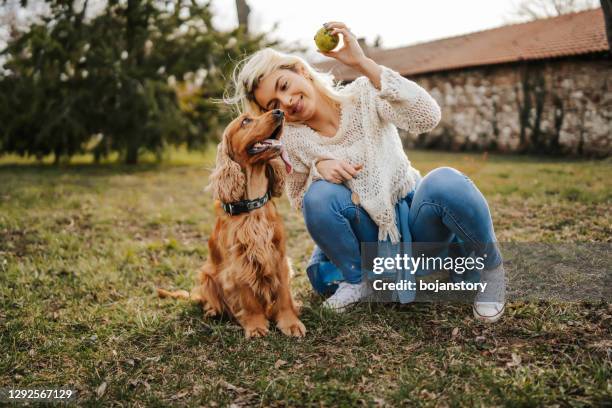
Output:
x=285 y=158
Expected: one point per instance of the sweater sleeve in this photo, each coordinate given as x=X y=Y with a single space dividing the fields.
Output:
x=295 y=184
x=304 y=167
x=297 y=180
x=404 y=103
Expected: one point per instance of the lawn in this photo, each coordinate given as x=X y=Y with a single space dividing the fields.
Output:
x=83 y=247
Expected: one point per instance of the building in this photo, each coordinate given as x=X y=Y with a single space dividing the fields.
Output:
x=540 y=86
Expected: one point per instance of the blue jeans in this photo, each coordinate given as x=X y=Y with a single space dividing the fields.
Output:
x=445 y=207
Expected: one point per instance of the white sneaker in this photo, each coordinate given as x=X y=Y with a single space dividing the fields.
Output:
x=488 y=312
x=490 y=306
x=346 y=295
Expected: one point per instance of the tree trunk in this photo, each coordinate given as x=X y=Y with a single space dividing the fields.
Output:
x=131 y=156
x=57 y=155
x=243 y=10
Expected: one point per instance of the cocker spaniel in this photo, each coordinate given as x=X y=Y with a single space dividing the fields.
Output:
x=247 y=273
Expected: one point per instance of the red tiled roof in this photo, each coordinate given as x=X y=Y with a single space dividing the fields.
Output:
x=571 y=34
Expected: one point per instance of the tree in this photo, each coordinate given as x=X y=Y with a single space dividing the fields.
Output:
x=243 y=10
x=118 y=75
x=535 y=9
x=42 y=101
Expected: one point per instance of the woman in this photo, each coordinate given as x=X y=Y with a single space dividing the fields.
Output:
x=350 y=173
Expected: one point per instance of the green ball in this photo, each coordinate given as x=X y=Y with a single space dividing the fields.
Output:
x=325 y=40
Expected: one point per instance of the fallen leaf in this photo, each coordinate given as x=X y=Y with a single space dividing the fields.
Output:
x=101 y=389
x=279 y=364
x=179 y=395
x=231 y=387
x=516 y=360
x=426 y=394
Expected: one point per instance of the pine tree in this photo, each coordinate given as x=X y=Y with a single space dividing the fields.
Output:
x=118 y=75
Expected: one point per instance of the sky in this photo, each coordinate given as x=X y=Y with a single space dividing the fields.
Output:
x=399 y=22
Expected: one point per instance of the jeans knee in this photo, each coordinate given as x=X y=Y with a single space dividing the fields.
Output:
x=445 y=173
x=444 y=182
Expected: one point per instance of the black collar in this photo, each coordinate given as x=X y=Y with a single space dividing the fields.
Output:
x=239 y=207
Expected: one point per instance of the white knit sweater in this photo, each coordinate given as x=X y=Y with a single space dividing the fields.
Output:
x=367 y=135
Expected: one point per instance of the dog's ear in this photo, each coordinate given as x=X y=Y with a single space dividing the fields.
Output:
x=276 y=176
x=227 y=181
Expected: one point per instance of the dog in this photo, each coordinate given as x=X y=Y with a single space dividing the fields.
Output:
x=247 y=272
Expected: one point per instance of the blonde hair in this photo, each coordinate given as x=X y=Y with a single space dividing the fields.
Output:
x=249 y=71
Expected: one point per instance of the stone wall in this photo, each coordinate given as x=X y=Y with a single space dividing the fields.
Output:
x=560 y=106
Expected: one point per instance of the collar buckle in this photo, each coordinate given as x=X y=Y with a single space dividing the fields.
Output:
x=239 y=207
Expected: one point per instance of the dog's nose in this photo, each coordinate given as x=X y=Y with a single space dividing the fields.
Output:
x=278 y=114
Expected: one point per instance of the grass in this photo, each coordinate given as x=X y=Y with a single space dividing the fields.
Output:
x=82 y=248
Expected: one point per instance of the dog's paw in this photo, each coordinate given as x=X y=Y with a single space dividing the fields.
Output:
x=292 y=327
x=210 y=311
x=251 y=332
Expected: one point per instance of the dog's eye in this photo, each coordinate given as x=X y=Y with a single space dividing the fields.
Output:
x=245 y=121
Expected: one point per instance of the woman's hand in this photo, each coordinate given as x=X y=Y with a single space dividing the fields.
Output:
x=337 y=171
x=351 y=53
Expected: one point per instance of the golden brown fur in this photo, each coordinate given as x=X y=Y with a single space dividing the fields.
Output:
x=247 y=273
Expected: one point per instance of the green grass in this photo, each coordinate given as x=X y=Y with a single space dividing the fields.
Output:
x=83 y=247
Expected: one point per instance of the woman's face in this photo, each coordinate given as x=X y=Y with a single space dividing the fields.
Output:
x=288 y=91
